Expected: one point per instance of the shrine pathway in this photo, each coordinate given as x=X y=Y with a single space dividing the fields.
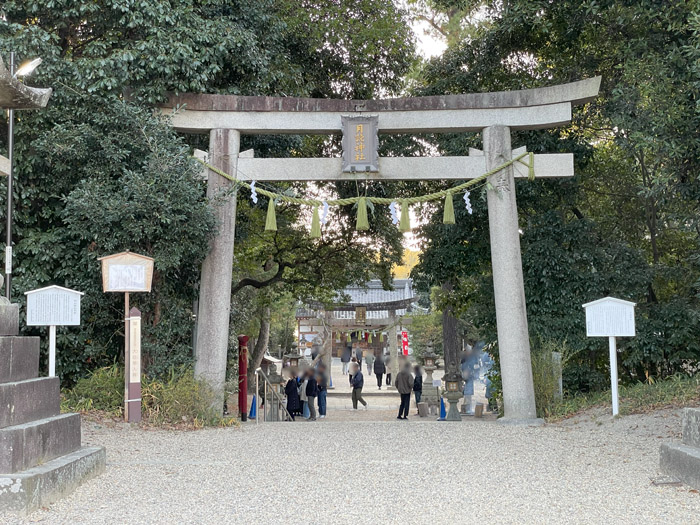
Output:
x=589 y=470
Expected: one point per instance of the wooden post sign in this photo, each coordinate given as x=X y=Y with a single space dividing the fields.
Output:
x=53 y=306
x=133 y=381
x=129 y=272
x=611 y=318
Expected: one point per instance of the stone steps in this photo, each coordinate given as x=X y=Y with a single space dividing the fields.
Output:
x=19 y=358
x=41 y=485
x=36 y=442
x=29 y=400
x=40 y=452
x=682 y=460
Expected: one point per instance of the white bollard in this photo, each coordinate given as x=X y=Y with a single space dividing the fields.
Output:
x=52 y=350
x=613 y=376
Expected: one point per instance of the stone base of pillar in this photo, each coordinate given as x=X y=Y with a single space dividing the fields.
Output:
x=536 y=422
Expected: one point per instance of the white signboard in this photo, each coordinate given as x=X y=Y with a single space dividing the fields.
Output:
x=53 y=306
x=610 y=317
x=127 y=277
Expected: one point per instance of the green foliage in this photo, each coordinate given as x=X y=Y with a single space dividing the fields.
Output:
x=544 y=376
x=356 y=48
x=97 y=172
x=176 y=400
x=179 y=398
x=678 y=390
x=102 y=389
x=627 y=224
x=426 y=328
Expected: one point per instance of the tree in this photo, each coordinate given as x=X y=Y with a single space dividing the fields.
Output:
x=627 y=224
x=96 y=160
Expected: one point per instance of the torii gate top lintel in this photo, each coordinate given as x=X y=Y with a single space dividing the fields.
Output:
x=524 y=109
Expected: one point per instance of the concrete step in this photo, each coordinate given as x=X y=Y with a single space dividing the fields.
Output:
x=40 y=486
x=9 y=319
x=29 y=400
x=27 y=445
x=682 y=462
x=691 y=427
x=19 y=358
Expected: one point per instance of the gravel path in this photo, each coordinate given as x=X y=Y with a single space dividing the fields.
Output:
x=378 y=470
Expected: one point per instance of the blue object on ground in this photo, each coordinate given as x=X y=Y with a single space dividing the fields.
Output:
x=253 y=408
x=443 y=412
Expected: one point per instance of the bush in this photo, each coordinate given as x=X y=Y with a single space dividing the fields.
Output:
x=677 y=390
x=179 y=399
x=545 y=378
x=102 y=389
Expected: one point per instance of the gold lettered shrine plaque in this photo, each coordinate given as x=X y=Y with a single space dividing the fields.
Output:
x=361 y=314
x=360 y=143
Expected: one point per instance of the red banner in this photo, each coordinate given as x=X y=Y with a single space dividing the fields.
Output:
x=404 y=342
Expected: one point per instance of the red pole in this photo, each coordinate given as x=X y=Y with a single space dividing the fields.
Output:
x=243 y=376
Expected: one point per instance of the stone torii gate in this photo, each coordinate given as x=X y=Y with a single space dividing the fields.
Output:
x=226 y=117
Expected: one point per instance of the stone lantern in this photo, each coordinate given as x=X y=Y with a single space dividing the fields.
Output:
x=293 y=357
x=277 y=384
x=430 y=393
x=453 y=393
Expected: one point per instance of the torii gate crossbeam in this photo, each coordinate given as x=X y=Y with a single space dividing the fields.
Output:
x=226 y=117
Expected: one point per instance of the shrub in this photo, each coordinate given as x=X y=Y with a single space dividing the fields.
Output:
x=545 y=377
x=102 y=389
x=178 y=399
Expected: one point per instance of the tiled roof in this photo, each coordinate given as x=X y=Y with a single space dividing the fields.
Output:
x=372 y=292
x=369 y=293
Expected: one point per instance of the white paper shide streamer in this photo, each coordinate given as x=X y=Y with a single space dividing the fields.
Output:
x=324 y=213
x=394 y=213
x=467 y=202
x=253 y=193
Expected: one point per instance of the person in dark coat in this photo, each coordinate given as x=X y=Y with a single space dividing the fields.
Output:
x=417 y=384
x=387 y=362
x=379 y=370
x=322 y=380
x=404 y=384
x=358 y=355
x=345 y=359
x=292 y=392
x=311 y=393
x=357 y=383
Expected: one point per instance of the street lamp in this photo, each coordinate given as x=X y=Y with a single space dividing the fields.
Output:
x=15 y=95
x=27 y=68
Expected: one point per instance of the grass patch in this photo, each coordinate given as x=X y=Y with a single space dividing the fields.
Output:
x=179 y=400
x=674 y=391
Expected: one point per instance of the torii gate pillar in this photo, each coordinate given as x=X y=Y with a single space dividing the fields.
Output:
x=215 y=285
x=508 y=286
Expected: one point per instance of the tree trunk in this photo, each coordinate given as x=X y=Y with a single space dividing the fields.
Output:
x=450 y=336
x=255 y=357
